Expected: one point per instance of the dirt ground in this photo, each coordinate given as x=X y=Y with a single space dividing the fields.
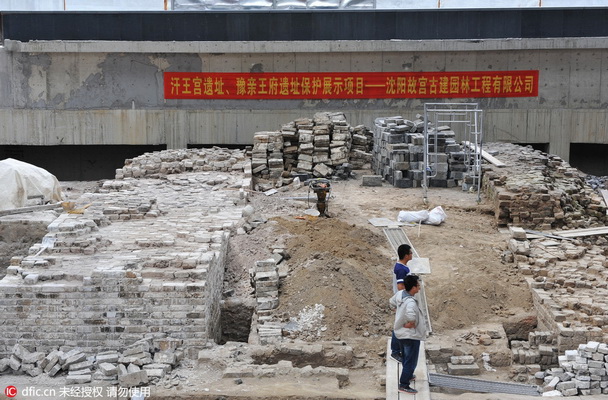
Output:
x=345 y=263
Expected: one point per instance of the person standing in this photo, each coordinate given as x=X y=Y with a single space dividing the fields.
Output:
x=400 y=271
x=409 y=328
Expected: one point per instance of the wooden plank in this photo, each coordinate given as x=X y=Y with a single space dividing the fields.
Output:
x=23 y=210
x=486 y=156
x=569 y=234
x=536 y=234
x=604 y=193
x=584 y=232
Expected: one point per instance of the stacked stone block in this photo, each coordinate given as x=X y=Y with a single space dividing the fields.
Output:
x=361 y=147
x=267 y=155
x=540 y=191
x=581 y=372
x=305 y=144
x=540 y=350
x=266 y=280
x=398 y=154
x=290 y=145
x=341 y=139
x=320 y=147
x=463 y=365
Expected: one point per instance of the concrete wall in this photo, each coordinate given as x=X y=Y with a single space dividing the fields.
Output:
x=58 y=92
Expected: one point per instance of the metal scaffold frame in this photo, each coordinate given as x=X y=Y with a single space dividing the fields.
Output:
x=466 y=120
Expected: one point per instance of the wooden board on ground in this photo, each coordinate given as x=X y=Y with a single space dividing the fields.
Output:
x=604 y=193
x=23 y=210
x=419 y=266
x=602 y=230
x=384 y=222
x=486 y=156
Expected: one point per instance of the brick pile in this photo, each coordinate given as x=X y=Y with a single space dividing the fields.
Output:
x=583 y=371
x=540 y=191
x=398 y=154
x=323 y=146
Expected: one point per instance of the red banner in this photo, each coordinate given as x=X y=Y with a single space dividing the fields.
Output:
x=361 y=85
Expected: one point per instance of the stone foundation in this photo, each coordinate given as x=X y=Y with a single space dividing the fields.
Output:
x=125 y=266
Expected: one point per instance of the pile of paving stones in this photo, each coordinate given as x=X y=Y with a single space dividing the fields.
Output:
x=141 y=363
x=165 y=162
x=581 y=372
x=540 y=191
x=323 y=146
x=398 y=154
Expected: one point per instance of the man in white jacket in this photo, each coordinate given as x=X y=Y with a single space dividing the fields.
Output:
x=409 y=328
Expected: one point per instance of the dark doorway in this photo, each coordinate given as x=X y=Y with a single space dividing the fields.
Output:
x=591 y=158
x=75 y=162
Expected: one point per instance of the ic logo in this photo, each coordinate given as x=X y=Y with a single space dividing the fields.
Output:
x=10 y=391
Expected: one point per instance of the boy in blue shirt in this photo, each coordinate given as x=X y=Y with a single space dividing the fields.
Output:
x=404 y=252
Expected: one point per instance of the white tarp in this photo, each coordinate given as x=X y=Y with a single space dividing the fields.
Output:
x=20 y=181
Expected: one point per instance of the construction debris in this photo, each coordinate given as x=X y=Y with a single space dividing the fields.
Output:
x=139 y=364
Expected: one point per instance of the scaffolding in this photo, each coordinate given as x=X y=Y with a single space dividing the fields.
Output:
x=466 y=120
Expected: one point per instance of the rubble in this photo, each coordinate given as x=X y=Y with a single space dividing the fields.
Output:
x=581 y=372
x=133 y=366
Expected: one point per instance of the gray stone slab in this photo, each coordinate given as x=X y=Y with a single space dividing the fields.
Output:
x=468 y=369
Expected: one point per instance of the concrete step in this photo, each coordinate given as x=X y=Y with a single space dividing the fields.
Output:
x=393 y=371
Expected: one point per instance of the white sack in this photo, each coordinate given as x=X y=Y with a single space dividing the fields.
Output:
x=413 y=216
x=436 y=216
x=20 y=180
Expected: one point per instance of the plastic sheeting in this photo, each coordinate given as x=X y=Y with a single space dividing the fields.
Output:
x=21 y=181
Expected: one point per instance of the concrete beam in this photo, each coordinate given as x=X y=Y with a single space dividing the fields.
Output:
x=339 y=46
